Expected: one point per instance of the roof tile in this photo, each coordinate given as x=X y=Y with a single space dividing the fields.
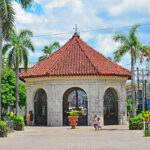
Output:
x=75 y=58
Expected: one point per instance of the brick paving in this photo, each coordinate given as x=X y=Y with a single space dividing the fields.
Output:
x=82 y=138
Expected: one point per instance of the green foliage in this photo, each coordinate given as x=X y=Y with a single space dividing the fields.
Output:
x=18 y=46
x=8 y=14
x=3 y=126
x=142 y=113
x=136 y=123
x=129 y=105
x=47 y=50
x=18 y=121
x=74 y=113
x=22 y=95
x=130 y=43
x=8 y=87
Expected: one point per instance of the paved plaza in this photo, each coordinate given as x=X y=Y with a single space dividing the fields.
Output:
x=82 y=138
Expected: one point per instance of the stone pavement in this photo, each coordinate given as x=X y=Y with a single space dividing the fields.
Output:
x=82 y=138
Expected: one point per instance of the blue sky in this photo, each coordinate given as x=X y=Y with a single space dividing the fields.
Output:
x=48 y=17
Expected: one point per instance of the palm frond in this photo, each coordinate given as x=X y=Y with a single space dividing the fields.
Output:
x=25 y=58
x=46 y=50
x=7 y=12
x=120 y=52
x=10 y=58
x=25 y=34
x=25 y=3
x=41 y=58
x=28 y=44
x=133 y=31
x=121 y=37
x=20 y=45
x=6 y=48
x=54 y=46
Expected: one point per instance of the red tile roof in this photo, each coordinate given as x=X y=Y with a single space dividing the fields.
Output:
x=75 y=58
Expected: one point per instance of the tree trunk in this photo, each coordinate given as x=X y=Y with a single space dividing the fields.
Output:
x=0 y=65
x=133 y=86
x=17 y=91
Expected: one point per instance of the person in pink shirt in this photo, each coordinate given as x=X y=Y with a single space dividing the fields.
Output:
x=94 y=121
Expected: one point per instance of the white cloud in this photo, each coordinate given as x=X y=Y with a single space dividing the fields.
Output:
x=59 y=16
x=23 y=17
x=35 y=54
x=129 y=5
x=106 y=45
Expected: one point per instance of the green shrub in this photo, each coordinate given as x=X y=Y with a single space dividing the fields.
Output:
x=142 y=113
x=3 y=126
x=18 y=122
x=136 y=123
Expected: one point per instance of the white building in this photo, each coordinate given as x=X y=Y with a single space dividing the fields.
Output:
x=76 y=77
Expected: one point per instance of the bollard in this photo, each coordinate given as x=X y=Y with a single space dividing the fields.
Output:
x=147 y=126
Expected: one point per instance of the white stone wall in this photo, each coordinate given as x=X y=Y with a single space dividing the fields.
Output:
x=95 y=88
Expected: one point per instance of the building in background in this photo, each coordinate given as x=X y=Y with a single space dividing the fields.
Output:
x=21 y=66
x=129 y=92
x=148 y=82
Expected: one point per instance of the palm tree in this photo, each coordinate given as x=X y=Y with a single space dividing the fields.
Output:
x=6 y=23
x=130 y=44
x=18 y=47
x=47 y=50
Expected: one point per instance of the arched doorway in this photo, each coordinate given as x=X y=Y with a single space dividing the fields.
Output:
x=75 y=99
x=110 y=107
x=40 y=108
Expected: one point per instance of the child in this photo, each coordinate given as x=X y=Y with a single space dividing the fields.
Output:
x=95 y=122
x=98 y=124
x=31 y=118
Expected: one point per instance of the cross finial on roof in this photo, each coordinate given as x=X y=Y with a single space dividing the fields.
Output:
x=76 y=29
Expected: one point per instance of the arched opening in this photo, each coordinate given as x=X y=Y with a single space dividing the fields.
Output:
x=75 y=99
x=40 y=108
x=110 y=107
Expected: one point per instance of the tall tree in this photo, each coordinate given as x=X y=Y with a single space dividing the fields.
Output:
x=6 y=23
x=130 y=44
x=18 y=46
x=47 y=50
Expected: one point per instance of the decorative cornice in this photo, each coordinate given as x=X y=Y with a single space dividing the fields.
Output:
x=77 y=78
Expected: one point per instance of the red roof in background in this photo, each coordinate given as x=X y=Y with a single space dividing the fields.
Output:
x=75 y=58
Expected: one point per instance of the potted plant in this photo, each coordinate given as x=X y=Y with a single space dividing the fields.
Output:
x=146 y=116
x=73 y=118
x=3 y=129
x=18 y=122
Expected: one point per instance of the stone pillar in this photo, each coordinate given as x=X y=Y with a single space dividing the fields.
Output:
x=54 y=106
x=122 y=110
x=29 y=102
x=95 y=106
x=56 y=115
